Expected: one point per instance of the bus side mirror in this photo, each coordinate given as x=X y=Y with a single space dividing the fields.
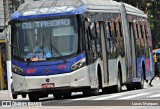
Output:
x=9 y=22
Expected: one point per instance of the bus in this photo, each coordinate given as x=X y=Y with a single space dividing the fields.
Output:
x=64 y=46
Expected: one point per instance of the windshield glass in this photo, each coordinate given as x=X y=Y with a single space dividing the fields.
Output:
x=33 y=39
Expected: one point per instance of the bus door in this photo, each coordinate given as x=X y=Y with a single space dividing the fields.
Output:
x=104 y=42
x=133 y=53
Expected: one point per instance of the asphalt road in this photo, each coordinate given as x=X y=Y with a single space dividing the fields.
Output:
x=149 y=96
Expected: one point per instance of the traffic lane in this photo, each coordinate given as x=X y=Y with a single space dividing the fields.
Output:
x=103 y=103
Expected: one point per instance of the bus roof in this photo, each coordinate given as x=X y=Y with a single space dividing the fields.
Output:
x=43 y=8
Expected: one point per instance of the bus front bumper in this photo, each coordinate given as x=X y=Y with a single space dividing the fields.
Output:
x=75 y=79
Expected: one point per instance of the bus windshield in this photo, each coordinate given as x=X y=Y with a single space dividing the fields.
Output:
x=34 y=39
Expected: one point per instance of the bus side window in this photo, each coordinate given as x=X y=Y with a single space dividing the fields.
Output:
x=113 y=40
x=121 y=40
x=107 y=37
x=93 y=38
x=145 y=32
x=142 y=34
x=98 y=41
x=92 y=29
x=120 y=29
x=137 y=31
x=136 y=37
x=147 y=42
x=113 y=30
x=86 y=37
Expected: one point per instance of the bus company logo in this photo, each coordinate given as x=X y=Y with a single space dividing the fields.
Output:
x=6 y=103
x=47 y=70
x=33 y=70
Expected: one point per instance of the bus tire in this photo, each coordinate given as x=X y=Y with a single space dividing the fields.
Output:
x=57 y=95
x=24 y=95
x=119 y=83
x=67 y=94
x=94 y=91
x=140 y=85
x=130 y=87
x=108 y=90
x=33 y=97
x=14 y=96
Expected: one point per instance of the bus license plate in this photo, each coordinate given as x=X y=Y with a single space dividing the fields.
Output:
x=51 y=85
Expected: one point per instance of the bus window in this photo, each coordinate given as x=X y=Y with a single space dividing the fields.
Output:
x=112 y=39
x=107 y=32
x=98 y=42
x=93 y=38
x=113 y=31
x=120 y=29
x=142 y=34
x=97 y=29
x=86 y=39
x=145 y=31
x=93 y=31
x=137 y=30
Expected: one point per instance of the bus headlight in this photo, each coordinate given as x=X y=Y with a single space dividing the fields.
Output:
x=17 y=70
x=78 y=64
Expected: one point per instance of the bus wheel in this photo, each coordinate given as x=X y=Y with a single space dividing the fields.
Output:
x=57 y=95
x=119 y=83
x=93 y=92
x=24 y=95
x=14 y=96
x=89 y=92
x=130 y=87
x=67 y=94
x=140 y=85
x=33 y=97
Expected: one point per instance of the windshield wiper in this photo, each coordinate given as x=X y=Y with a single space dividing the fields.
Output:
x=59 y=53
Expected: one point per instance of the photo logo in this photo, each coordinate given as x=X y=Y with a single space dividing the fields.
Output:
x=6 y=103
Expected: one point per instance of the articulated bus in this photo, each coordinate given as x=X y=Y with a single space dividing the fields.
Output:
x=64 y=46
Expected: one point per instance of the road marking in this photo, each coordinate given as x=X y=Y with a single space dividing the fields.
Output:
x=108 y=97
x=133 y=96
x=153 y=96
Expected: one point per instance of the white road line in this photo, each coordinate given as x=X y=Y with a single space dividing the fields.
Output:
x=153 y=96
x=133 y=96
x=87 y=98
x=108 y=97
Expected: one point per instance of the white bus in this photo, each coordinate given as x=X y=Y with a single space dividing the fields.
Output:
x=64 y=46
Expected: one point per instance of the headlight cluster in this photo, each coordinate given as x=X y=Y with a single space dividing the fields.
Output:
x=78 y=64
x=17 y=70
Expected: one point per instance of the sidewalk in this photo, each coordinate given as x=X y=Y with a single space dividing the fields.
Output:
x=4 y=95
